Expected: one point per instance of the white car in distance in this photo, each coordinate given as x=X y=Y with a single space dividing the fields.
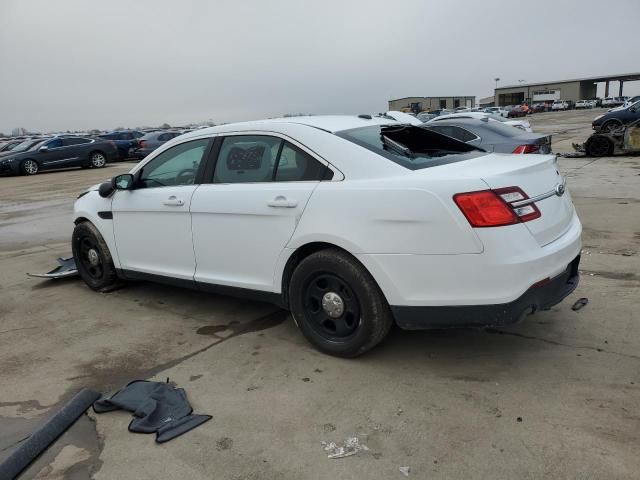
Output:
x=500 y=111
x=351 y=223
x=521 y=124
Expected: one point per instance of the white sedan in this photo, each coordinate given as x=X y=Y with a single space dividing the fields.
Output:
x=351 y=223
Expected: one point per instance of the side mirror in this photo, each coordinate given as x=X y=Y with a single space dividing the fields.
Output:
x=123 y=182
x=119 y=182
x=44 y=149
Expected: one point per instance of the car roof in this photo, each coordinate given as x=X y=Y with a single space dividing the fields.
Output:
x=329 y=123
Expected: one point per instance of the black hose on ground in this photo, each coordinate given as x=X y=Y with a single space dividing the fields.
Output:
x=40 y=440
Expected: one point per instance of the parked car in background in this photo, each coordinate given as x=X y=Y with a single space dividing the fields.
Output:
x=60 y=152
x=518 y=111
x=125 y=140
x=351 y=223
x=492 y=136
x=425 y=117
x=616 y=118
x=149 y=142
x=608 y=102
x=23 y=146
x=632 y=100
x=521 y=124
x=9 y=145
x=584 y=104
x=501 y=111
x=559 y=105
x=538 y=108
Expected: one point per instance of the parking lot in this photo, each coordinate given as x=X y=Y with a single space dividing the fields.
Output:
x=556 y=396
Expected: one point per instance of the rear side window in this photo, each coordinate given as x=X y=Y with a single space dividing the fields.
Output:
x=294 y=165
x=458 y=133
x=261 y=158
x=410 y=146
x=164 y=137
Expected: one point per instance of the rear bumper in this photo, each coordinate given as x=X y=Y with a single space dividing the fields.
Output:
x=534 y=299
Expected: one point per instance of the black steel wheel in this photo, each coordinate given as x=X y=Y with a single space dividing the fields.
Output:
x=93 y=258
x=598 y=146
x=331 y=306
x=337 y=304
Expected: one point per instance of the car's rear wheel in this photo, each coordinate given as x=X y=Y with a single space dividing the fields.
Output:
x=337 y=304
x=29 y=167
x=93 y=258
x=598 y=146
x=98 y=160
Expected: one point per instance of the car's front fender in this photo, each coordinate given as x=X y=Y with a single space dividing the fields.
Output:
x=97 y=210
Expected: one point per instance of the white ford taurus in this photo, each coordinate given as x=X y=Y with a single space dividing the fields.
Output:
x=351 y=223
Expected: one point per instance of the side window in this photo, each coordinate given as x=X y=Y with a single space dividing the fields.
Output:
x=54 y=143
x=246 y=159
x=466 y=135
x=176 y=166
x=163 y=137
x=74 y=141
x=296 y=165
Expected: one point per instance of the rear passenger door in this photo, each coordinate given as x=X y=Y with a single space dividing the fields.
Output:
x=244 y=218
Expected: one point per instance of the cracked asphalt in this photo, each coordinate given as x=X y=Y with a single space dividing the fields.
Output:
x=557 y=396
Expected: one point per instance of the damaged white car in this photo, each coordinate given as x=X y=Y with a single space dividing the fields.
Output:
x=351 y=223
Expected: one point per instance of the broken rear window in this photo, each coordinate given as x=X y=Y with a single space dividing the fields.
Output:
x=410 y=146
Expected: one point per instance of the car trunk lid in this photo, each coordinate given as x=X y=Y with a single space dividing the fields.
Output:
x=540 y=180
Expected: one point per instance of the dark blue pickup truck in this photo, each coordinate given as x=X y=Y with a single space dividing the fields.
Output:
x=125 y=140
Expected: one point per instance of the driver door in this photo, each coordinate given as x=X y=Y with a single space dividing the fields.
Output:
x=152 y=222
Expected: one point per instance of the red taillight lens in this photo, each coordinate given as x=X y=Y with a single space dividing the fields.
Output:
x=526 y=149
x=485 y=209
x=142 y=143
x=494 y=208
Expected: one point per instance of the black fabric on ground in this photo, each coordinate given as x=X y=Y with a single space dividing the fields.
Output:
x=157 y=407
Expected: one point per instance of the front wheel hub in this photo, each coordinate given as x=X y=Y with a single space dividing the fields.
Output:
x=93 y=257
x=333 y=304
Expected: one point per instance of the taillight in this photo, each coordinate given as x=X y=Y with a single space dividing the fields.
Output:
x=526 y=149
x=142 y=143
x=495 y=208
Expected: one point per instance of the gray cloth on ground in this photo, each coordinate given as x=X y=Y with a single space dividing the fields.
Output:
x=157 y=407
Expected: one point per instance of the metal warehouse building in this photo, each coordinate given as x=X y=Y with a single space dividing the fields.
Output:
x=422 y=104
x=574 y=90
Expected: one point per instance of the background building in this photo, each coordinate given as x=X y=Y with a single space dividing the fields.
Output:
x=573 y=90
x=487 y=101
x=422 y=104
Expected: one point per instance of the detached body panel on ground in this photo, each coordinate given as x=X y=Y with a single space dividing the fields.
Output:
x=346 y=221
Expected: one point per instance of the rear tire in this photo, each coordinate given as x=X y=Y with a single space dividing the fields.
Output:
x=93 y=258
x=337 y=304
x=29 y=167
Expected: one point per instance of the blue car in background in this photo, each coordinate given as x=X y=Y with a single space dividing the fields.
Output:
x=125 y=140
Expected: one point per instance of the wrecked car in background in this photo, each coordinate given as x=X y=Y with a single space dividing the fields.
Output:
x=623 y=140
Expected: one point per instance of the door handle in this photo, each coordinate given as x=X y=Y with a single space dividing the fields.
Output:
x=173 y=201
x=281 y=202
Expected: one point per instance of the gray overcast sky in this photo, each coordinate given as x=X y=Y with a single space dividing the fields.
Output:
x=77 y=64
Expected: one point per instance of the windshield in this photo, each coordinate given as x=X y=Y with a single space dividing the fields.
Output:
x=410 y=146
x=26 y=145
